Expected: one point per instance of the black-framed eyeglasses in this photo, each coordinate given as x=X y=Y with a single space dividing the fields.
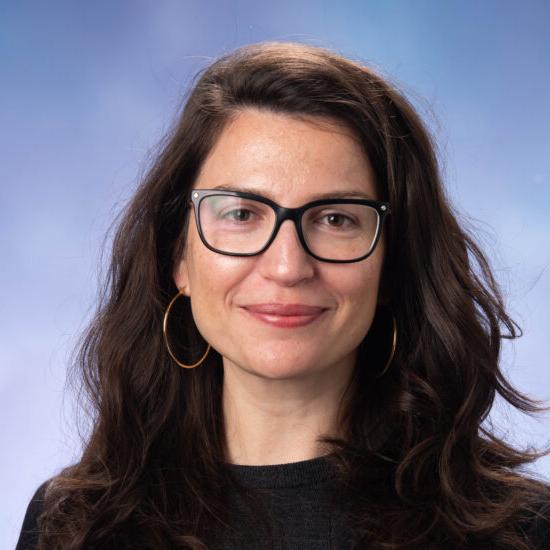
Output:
x=335 y=230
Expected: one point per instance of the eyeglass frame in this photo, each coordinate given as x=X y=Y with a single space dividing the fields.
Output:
x=283 y=213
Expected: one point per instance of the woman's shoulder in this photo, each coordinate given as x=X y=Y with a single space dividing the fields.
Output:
x=28 y=537
x=537 y=528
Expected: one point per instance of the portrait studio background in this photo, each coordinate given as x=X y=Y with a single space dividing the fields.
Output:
x=88 y=91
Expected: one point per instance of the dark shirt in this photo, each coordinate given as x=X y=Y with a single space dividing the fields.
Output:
x=297 y=498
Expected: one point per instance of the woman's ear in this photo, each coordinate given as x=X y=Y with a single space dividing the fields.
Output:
x=181 y=277
x=180 y=273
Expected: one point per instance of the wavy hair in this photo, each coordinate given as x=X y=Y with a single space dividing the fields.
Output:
x=421 y=466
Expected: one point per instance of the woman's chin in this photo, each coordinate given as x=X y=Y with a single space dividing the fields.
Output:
x=281 y=367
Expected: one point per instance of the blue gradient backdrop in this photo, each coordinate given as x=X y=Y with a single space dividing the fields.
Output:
x=88 y=89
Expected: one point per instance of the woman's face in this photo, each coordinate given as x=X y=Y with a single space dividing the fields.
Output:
x=290 y=161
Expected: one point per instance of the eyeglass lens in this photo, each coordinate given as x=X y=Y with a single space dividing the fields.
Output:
x=331 y=231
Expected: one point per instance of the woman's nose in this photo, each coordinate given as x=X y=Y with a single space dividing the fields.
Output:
x=286 y=261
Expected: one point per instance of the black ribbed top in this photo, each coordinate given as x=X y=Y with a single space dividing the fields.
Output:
x=301 y=503
x=297 y=502
x=279 y=476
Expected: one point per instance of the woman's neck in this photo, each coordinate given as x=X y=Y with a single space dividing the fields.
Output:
x=270 y=421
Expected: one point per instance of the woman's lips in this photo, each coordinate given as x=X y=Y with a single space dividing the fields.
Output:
x=285 y=315
x=285 y=309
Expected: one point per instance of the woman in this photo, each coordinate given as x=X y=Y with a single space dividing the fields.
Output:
x=295 y=348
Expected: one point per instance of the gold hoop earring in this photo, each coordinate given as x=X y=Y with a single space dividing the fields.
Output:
x=393 y=346
x=165 y=334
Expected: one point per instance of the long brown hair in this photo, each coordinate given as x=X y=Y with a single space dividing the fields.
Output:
x=421 y=466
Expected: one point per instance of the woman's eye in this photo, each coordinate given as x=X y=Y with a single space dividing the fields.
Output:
x=338 y=220
x=239 y=215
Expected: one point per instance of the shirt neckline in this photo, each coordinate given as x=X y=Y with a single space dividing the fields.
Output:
x=278 y=476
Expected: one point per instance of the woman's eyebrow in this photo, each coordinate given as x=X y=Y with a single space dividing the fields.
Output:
x=339 y=194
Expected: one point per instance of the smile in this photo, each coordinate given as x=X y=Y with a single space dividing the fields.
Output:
x=285 y=321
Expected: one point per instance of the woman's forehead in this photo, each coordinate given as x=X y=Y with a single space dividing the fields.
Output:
x=272 y=154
